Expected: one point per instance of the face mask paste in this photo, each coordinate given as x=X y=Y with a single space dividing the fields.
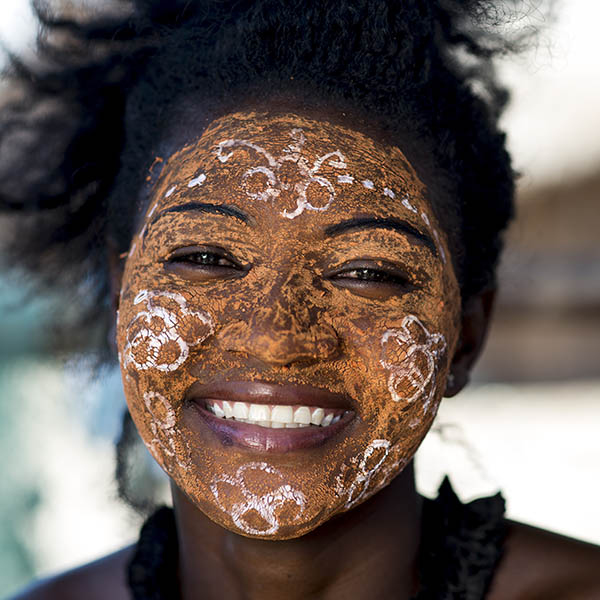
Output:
x=236 y=497
x=282 y=321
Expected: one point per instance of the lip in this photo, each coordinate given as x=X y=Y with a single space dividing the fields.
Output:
x=262 y=439
x=260 y=392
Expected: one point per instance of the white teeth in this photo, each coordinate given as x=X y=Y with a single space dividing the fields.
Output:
x=259 y=412
x=240 y=410
x=316 y=418
x=282 y=414
x=278 y=416
x=302 y=415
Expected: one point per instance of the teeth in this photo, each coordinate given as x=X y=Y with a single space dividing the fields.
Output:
x=317 y=415
x=277 y=416
x=259 y=412
x=282 y=414
x=227 y=408
x=240 y=410
x=302 y=415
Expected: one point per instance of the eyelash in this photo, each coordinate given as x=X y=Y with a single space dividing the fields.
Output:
x=192 y=258
x=349 y=275
x=373 y=275
x=205 y=262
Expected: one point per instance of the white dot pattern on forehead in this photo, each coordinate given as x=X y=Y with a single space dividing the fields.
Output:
x=196 y=181
x=265 y=505
x=274 y=186
x=410 y=354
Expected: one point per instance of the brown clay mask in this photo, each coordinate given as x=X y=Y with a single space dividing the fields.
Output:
x=284 y=251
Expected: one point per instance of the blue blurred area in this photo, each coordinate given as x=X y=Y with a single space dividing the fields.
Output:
x=29 y=377
x=21 y=337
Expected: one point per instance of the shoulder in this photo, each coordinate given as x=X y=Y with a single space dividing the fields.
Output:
x=540 y=565
x=104 y=578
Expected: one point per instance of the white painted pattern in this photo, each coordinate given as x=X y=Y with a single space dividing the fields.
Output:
x=162 y=427
x=266 y=505
x=365 y=484
x=293 y=153
x=167 y=332
x=419 y=351
x=196 y=181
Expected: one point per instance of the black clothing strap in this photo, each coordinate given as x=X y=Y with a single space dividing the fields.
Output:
x=461 y=545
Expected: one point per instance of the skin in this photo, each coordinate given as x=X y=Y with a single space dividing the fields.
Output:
x=318 y=322
x=330 y=552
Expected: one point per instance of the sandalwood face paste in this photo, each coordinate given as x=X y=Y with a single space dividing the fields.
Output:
x=287 y=250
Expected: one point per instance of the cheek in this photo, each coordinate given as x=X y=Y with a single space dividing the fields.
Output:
x=157 y=332
x=403 y=368
x=412 y=356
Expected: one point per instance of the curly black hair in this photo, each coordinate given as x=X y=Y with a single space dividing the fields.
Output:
x=81 y=124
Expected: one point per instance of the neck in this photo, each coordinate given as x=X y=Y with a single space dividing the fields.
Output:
x=368 y=552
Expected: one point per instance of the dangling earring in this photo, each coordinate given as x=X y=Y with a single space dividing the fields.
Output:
x=450 y=381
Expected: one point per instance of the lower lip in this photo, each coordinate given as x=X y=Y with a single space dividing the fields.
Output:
x=264 y=439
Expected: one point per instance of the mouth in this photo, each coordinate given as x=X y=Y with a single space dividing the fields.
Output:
x=275 y=416
x=270 y=417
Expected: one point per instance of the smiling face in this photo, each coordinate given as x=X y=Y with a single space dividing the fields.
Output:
x=287 y=318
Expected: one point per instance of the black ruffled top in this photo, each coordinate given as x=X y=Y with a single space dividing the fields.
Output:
x=461 y=545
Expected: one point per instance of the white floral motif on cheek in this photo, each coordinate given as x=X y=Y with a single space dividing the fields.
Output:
x=265 y=505
x=358 y=488
x=291 y=153
x=162 y=427
x=154 y=339
x=414 y=366
x=362 y=485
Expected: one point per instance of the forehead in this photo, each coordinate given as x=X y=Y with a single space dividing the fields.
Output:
x=292 y=164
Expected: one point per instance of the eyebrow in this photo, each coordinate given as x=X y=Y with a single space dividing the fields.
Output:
x=204 y=207
x=388 y=223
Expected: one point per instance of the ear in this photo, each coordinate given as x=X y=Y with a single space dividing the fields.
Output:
x=116 y=263
x=475 y=321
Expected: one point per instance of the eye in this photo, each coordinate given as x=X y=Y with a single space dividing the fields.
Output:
x=378 y=280
x=202 y=263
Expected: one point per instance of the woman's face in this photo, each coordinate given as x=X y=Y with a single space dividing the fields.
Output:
x=287 y=317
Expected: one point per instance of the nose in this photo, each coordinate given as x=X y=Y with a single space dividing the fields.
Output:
x=284 y=327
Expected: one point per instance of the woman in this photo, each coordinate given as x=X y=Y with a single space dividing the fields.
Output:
x=295 y=210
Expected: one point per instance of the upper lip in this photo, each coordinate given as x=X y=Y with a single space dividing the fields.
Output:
x=259 y=392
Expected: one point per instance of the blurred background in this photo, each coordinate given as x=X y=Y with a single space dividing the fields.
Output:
x=529 y=424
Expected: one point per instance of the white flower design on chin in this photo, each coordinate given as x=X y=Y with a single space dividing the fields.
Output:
x=252 y=512
x=410 y=354
x=160 y=336
x=274 y=183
